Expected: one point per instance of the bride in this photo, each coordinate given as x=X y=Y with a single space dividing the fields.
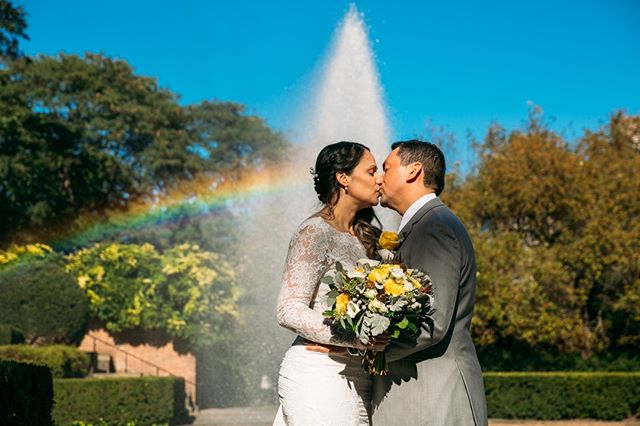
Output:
x=315 y=387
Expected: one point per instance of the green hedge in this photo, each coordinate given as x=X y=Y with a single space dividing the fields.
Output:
x=518 y=356
x=64 y=361
x=26 y=394
x=563 y=395
x=10 y=335
x=117 y=401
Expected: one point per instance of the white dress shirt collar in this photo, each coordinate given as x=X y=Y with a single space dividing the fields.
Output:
x=413 y=209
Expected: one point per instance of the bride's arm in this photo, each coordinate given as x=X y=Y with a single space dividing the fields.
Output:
x=306 y=263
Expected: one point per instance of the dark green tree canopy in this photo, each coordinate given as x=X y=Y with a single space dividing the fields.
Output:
x=85 y=134
x=12 y=27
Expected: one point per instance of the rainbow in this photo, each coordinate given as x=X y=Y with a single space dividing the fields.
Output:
x=202 y=196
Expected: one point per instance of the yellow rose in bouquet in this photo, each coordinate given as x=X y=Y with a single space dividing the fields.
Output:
x=392 y=288
x=341 y=303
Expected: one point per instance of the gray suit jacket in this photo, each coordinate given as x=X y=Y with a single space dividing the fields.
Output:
x=436 y=379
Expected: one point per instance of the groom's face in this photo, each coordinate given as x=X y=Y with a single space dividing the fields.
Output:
x=393 y=177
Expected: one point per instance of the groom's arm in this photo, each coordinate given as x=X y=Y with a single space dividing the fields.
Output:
x=436 y=251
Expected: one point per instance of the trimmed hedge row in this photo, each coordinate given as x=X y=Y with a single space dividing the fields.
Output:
x=518 y=356
x=26 y=394
x=64 y=361
x=117 y=401
x=563 y=395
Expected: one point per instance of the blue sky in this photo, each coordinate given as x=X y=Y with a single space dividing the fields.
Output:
x=459 y=64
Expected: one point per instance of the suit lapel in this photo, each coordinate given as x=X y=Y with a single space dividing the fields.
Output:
x=419 y=215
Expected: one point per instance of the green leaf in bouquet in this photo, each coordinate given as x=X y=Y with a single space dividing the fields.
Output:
x=403 y=324
x=340 y=268
x=333 y=293
x=351 y=286
x=327 y=279
x=342 y=322
x=395 y=334
x=331 y=297
x=397 y=303
x=379 y=324
x=412 y=327
x=350 y=321
x=329 y=313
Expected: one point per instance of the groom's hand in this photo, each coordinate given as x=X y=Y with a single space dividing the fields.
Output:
x=326 y=349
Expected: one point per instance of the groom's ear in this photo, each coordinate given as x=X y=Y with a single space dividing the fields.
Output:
x=414 y=171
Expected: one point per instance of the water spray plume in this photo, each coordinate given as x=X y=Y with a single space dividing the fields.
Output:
x=348 y=106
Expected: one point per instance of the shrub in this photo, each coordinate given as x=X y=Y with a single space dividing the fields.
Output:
x=142 y=400
x=517 y=356
x=40 y=298
x=10 y=335
x=563 y=395
x=189 y=292
x=64 y=361
x=16 y=254
x=26 y=394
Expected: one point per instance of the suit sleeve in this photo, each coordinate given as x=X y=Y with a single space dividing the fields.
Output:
x=436 y=252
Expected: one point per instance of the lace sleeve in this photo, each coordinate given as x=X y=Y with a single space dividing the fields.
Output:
x=305 y=265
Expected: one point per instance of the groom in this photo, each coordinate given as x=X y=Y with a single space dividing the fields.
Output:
x=436 y=379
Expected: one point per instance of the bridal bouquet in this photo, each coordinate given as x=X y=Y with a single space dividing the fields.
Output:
x=375 y=298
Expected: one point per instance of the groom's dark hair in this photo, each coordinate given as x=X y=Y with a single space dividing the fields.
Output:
x=427 y=154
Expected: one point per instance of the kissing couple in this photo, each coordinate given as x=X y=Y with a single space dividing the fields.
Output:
x=433 y=379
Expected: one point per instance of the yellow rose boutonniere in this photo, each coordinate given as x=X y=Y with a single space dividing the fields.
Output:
x=387 y=244
x=389 y=240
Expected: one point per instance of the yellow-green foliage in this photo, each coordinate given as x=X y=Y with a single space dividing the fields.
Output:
x=17 y=253
x=190 y=292
x=557 y=236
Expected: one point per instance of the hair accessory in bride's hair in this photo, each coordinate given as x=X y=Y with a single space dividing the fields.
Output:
x=313 y=172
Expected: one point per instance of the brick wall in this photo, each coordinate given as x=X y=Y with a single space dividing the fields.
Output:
x=163 y=355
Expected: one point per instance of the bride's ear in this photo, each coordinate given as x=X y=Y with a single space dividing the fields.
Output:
x=414 y=171
x=342 y=178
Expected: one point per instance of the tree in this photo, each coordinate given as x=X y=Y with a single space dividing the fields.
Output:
x=79 y=136
x=605 y=254
x=556 y=236
x=231 y=141
x=75 y=132
x=12 y=26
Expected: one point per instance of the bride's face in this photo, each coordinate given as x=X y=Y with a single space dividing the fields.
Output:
x=364 y=182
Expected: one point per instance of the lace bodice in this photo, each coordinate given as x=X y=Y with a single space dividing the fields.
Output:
x=314 y=249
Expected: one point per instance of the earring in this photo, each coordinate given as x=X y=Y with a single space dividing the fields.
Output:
x=346 y=189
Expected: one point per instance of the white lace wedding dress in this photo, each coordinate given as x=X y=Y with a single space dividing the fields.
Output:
x=315 y=388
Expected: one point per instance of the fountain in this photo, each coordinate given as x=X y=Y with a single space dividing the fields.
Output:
x=347 y=106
